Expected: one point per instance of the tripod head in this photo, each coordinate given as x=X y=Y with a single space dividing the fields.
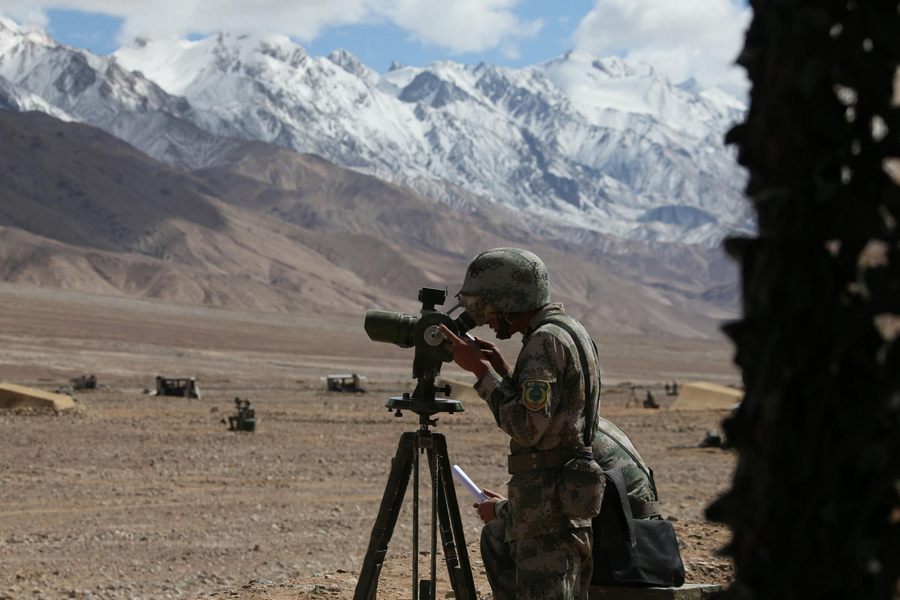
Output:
x=422 y=333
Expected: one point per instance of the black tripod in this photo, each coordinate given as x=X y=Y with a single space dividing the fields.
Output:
x=444 y=507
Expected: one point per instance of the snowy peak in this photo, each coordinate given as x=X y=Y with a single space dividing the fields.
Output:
x=268 y=88
x=98 y=90
x=350 y=63
x=90 y=87
x=158 y=53
x=12 y=34
x=604 y=89
x=237 y=52
x=613 y=66
x=428 y=88
x=593 y=143
x=177 y=64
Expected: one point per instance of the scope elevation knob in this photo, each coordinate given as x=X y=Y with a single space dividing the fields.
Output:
x=433 y=336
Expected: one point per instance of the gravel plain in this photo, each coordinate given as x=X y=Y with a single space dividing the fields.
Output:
x=135 y=496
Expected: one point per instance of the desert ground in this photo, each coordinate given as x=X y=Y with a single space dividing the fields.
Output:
x=135 y=496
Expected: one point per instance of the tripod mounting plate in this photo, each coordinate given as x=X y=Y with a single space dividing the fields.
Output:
x=425 y=407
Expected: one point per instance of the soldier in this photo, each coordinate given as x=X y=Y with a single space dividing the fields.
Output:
x=612 y=450
x=632 y=395
x=541 y=404
x=235 y=419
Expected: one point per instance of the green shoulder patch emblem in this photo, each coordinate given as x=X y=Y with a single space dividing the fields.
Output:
x=535 y=394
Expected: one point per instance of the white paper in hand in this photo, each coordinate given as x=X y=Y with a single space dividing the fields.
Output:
x=460 y=476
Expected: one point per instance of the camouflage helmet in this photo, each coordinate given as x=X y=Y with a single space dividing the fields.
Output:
x=508 y=280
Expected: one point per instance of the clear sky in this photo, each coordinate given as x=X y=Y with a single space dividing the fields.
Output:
x=680 y=38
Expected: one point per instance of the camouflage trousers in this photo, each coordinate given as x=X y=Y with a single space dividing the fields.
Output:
x=547 y=567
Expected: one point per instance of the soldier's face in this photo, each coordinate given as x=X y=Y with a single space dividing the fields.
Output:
x=480 y=311
x=474 y=306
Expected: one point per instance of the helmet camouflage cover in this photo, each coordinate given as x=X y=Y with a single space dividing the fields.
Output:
x=507 y=280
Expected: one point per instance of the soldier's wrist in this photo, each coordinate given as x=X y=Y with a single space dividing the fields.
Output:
x=480 y=371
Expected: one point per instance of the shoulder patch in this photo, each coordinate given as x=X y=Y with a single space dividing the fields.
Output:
x=535 y=394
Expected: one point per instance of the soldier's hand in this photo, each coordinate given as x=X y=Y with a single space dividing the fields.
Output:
x=487 y=510
x=492 y=354
x=466 y=353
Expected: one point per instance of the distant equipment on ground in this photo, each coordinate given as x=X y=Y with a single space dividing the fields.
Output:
x=713 y=439
x=185 y=387
x=244 y=417
x=648 y=402
x=344 y=382
x=85 y=382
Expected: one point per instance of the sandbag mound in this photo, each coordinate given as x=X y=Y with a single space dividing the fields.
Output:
x=707 y=396
x=18 y=396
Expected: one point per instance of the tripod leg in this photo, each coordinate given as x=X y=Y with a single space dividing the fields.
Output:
x=455 y=553
x=398 y=481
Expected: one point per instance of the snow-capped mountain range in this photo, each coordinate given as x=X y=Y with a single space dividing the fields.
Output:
x=597 y=143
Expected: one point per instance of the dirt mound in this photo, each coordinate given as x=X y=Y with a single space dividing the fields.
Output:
x=707 y=396
x=20 y=397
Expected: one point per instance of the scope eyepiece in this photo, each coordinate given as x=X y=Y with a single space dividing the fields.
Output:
x=464 y=323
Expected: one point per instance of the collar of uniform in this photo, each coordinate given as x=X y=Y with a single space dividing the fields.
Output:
x=553 y=308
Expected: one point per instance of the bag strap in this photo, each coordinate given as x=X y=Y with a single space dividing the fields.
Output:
x=590 y=419
x=614 y=476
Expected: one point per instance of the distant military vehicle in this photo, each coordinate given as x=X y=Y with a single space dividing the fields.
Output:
x=350 y=382
x=85 y=382
x=185 y=387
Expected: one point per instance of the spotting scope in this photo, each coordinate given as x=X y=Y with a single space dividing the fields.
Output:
x=421 y=332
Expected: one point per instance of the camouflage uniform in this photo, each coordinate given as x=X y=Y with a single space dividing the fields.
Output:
x=499 y=555
x=541 y=407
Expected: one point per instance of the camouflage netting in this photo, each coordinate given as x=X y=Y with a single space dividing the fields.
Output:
x=814 y=505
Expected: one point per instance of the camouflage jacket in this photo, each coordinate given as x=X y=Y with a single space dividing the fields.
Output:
x=541 y=407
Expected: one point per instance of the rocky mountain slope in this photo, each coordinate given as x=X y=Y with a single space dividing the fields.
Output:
x=98 y=91
x=606 y=144
x=273 y=230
